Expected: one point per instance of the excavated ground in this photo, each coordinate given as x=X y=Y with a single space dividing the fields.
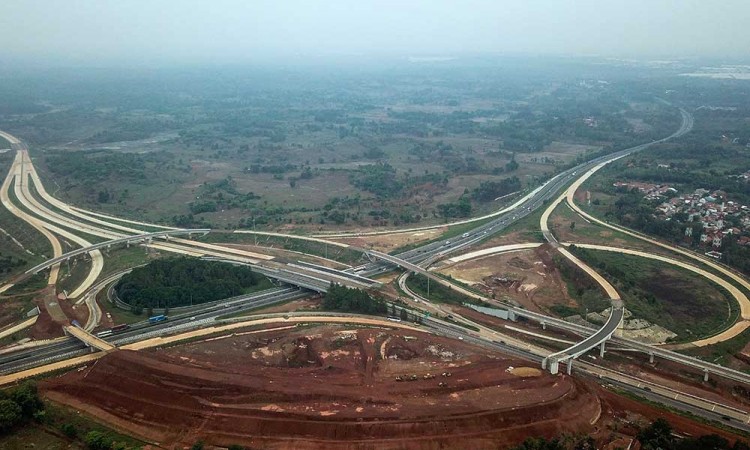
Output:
x=328 y=387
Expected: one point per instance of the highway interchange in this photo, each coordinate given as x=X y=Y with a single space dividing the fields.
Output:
x=317 y=279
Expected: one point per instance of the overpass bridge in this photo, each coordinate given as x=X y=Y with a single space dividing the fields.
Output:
x=308 y=276
x=616 y=315
x=148 y=237
x=89 y=339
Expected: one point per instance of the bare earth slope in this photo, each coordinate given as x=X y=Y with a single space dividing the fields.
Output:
x=328 y=388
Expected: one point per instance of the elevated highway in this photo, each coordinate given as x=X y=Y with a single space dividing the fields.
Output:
x=617 y=313
x=106 y=244
x=89 y=339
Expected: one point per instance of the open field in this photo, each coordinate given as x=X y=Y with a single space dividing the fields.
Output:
x=335 y=150
x=667 y=296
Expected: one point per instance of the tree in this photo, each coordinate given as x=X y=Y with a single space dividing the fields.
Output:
x=27 y=398
x=404 y=314
x=197 y=446
x=69 y=430
x=103 y=196
x=656 y=436
x=10 y=415
x=96 y=440
x=587 y=443
x=342 y=298
x=540 y=444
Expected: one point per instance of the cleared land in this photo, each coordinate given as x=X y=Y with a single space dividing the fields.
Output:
x=326 y=387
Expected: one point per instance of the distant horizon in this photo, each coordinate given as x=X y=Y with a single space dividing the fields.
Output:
x=192 y=32
x=9 y=64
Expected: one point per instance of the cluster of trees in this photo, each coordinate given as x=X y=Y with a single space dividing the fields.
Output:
x=342 y=298
x=221 y=195
x=171 y=282
x=189 y=221
x=96 y=440
x=8 y=263
x=584 y=443
x=488 y=191
x=735 y=255
x=380 y=179
x=657 y=436
x=19 y=406
x=460 y=208
x=98 y=165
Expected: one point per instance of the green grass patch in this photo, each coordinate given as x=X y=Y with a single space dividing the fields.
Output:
x=334 y=252
x=73 y=272
x=437 y=292
x=56 y=416
x=119 y=315
x=117 y=259
x=679 y=412
x=665 y=295
x=31 y=284
x=721 y=352
x=564 y=310
x=263 y=284
x=528 y=226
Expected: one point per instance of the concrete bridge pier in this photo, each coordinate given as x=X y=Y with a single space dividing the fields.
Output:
x=651 y=357
x=544 y=364
x=601 y=350
x=554 y=367
x=570 y=366
x=544 y=325
x=705 y=375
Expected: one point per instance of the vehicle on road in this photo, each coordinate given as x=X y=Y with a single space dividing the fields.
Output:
x=157 y=319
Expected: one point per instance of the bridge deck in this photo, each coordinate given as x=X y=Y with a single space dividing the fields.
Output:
x=89 y=339
x=600 y=336
x=126 y=239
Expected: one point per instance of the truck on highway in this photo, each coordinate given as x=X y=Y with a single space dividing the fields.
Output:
x=157 y=319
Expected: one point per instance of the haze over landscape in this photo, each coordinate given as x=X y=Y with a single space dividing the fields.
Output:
x=374 y=225
x=233 y=32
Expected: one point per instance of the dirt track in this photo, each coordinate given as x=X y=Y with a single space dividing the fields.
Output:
x=327 y=387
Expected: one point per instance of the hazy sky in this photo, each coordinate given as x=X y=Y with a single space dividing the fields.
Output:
x=99 y=31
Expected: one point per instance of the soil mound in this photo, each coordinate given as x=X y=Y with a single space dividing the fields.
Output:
x=340 y=392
